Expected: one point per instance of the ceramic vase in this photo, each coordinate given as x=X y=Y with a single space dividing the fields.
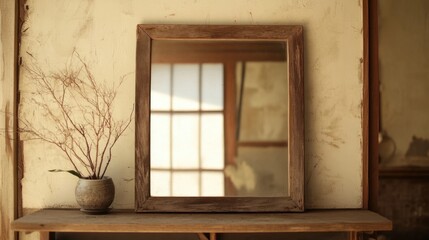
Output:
x=95 y=195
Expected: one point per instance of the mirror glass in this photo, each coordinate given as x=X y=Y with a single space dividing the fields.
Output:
x=219 y=118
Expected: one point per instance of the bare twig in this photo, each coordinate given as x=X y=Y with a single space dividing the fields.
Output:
x=74 y=112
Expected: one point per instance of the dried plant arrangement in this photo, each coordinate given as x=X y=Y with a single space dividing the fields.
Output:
x=74 y=112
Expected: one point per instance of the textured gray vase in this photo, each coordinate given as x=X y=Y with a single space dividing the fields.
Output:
x=95 y=195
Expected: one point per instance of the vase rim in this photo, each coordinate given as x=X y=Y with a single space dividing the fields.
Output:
x=98 y=179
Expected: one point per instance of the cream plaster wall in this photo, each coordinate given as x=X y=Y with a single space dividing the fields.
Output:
x=104 y=33
x=404 y=75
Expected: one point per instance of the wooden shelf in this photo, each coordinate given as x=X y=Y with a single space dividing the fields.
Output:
x=404 y=172
x=122 y=221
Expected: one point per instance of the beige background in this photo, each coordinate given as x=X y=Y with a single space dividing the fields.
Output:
x=104 y=33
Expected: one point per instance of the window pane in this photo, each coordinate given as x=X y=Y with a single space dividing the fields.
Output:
x=212 y=87
x=212 y=141
x=185 y=184
x=185 y=87
x=160 y=183
x=212 y=184
x=160 y=140
x=160 y=87
x=185 y=141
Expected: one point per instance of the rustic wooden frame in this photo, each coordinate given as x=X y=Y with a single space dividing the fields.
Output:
x=293 y=35
x=371 y=105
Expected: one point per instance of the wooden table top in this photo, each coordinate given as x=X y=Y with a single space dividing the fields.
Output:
x=57 y=220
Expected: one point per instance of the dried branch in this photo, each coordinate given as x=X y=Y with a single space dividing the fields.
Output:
x=74 y=112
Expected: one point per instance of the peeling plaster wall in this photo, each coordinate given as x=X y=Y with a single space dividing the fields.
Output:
x=404 y=75
x=104 y=33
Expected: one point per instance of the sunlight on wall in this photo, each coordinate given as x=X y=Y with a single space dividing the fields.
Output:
x=104 y=33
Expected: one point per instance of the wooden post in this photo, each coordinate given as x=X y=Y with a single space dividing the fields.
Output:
x=353 y=236
x=204 y=236
x=47 y=236
x=374 y=106
x=371 y=105
x=8 y=93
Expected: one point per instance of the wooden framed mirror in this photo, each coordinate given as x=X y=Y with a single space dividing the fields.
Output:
x=219 y=118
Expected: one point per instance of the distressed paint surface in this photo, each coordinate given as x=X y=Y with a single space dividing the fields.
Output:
x=103 y=32
x=404 y=74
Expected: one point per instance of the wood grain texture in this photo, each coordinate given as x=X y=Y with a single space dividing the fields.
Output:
x=311 y=221
x=374 y=105
x=212 y=236
x=142 y=138
x=46 y=236
x=353 y=236
x=296 y=117
x=216 y=51
x=219 y=204
x=365 y=108
x=202 y=236
x=8 y=120
x=293 y=37
x=220 y=32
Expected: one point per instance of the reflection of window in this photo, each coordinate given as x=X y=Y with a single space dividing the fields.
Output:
x=262 y=90
x=187 y=130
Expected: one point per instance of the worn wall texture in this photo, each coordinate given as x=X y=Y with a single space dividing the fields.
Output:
x=404 y=74
x=104 y=33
